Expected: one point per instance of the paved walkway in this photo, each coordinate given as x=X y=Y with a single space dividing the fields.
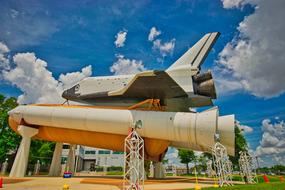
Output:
x=104 y=183
x=51 y=183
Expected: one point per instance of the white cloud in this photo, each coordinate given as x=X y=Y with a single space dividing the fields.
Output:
x=280 y=159
x=173 y=158
x=126 y=66
x=153 y=33
x=3 y=48
x=120 y=38
x=31 y=76
x=172 y=155
x=70 y=79
x=229 y=4
x=255 y=57
x=226 y=85
x=272 y=143
x=244 y=128
x=4 y=60
x=14 y=13
x=164 y=48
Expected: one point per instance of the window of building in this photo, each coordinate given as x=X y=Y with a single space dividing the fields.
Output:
x=104 y=151
x=90 y=152
x=117 y=152
x=65 y=146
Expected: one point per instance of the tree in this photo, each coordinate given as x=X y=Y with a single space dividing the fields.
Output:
x=278 y=169
x=41 y=150
x=186 y=156
x=9 y=140
x=264 y=170
x=240 y=145
x=202 y=163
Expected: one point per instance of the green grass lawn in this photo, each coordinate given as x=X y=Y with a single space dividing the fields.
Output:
x=260 y=178
x=115 y=173
x=260 y=186
x=274 y=184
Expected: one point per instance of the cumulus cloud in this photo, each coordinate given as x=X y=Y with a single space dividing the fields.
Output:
x=280 y=159
x=255 y=57
x=70 y=79
x=244 y=128
x=3 y=48
x=153 y=33
x=172 y=157
x=229 y=4
x=14 y=13
x=272 y=143
x=164 y=48
x=4 y=60
x=126 y=66
x=32 y=77
x=120 y=38
x=227 y=86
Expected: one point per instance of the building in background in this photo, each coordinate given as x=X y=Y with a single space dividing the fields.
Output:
x=88 y=158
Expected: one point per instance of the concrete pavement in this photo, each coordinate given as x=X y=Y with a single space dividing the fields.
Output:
x=102 y=183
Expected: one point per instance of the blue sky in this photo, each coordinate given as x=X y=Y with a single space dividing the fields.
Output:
x=70 y=35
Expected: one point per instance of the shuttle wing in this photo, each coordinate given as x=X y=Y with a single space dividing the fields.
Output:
x=150 y=84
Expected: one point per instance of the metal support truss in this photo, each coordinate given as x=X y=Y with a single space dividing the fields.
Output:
x=134 y=160
x=210 y=172
x=222 y=165
x=246 y=165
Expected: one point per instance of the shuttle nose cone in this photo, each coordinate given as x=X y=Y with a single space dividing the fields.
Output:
x=71 y=94
x=65 y=94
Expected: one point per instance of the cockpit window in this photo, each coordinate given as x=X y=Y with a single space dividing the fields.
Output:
x=77 y=88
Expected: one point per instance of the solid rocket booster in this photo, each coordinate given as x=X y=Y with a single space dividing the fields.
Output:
x=77 y=124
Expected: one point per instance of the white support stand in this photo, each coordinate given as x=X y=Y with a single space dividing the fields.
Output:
x=4 y=167
x=222 y=164
x=159 y=170
x=246 y=168
x=151 y=169
x=210 y=172
x=21 y=161
x=134 y=161
x=55 y=167
x=37 y=168
x=76 y=160
x=71 y=158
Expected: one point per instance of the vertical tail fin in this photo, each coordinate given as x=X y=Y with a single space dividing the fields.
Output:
x=197 y=53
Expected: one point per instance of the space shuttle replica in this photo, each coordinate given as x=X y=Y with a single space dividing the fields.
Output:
x=159 y=99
